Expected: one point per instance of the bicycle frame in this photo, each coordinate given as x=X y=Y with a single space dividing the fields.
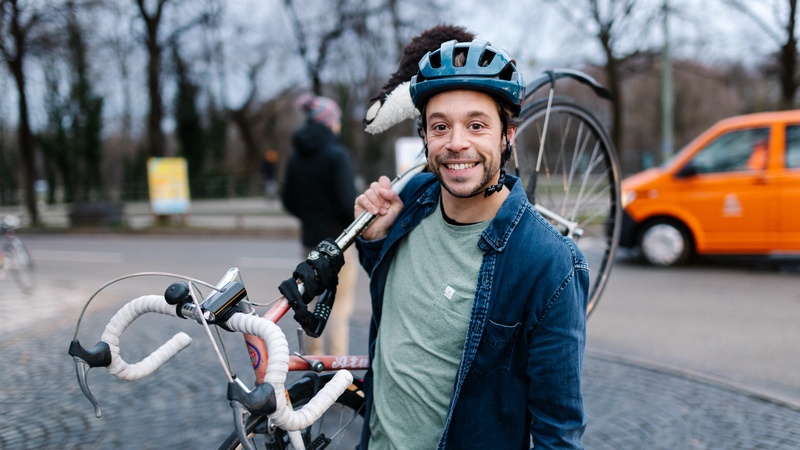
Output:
x=259 y=357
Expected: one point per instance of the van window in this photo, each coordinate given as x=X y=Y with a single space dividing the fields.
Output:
x=739 y=150
x=793 y=147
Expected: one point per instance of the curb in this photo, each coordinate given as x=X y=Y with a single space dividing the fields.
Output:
x=761 y=394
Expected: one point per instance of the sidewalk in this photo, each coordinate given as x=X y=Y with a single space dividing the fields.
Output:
x=629 y=405
x=250 y=214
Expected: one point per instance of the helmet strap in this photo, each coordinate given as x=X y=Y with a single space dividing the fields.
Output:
x=502 y=178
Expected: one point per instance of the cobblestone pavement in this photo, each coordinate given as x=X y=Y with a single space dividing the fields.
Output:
x=183 y=404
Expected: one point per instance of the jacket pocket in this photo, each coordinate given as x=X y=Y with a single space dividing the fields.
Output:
x=496 y=348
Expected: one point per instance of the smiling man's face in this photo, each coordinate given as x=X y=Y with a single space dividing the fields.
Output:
x=465 y=141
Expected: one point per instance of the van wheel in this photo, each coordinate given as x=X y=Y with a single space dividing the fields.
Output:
x=665 y=242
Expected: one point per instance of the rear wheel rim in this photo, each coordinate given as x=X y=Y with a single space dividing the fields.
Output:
x=578 y=180
x=663 y=245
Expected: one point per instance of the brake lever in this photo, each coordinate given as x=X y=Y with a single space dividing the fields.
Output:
x=260 y=401
x=82 y=368
x=238 y=422
x=97 y=356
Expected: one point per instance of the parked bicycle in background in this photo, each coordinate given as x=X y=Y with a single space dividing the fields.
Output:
x=14 y=257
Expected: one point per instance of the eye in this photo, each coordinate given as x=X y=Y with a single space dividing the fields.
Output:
x=476 y=126
x=439 y=127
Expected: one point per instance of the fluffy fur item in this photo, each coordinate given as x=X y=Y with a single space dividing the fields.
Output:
x=393 y=105
x=388 y=111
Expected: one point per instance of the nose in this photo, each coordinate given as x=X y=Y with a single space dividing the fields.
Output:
x=458 y=140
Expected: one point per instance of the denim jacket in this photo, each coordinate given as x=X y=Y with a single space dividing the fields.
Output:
x=520 y=373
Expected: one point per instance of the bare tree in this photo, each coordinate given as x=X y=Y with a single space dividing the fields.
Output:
x=316 y=38
x=152 y=21
x=314 y=62
x=17 y=25
x=781 y=31
x=153 y=18
x=608 y=22
x=247 y=117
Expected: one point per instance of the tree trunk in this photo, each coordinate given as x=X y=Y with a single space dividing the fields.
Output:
x=155 y=135
x=789 y=61
x=27 y=147
x=156 y=140
x=252 y=149
x=612 y=72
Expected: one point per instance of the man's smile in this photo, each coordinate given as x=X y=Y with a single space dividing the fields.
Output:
x=460 y=166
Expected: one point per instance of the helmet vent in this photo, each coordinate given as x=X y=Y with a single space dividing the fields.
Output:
x=460 y=57
x=486 y=59
x=508 y=72
x=436 y=60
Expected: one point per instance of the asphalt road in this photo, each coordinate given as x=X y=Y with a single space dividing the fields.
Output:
x=732 y=319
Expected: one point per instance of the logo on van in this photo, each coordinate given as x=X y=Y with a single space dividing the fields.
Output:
x=731 y=206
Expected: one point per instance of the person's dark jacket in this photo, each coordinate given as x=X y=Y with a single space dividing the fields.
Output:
x=318 y=186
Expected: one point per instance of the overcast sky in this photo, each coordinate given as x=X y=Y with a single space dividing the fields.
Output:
x=703 y=29
x=539 y=37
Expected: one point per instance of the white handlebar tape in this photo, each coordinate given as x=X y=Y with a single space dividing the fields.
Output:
x=277 y=368
x=122 y=319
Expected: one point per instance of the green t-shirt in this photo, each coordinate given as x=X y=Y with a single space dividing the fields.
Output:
x=426 y=310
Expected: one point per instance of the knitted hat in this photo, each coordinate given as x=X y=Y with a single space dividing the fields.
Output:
x=320 y=109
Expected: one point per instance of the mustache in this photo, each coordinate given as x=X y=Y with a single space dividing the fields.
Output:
x=455 y=158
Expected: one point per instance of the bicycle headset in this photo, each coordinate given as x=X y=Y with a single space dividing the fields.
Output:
x=486 y=69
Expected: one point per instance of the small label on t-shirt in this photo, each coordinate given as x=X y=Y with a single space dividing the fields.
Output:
x=448 y=292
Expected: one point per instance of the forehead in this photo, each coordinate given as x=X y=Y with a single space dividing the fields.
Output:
x=462 y=102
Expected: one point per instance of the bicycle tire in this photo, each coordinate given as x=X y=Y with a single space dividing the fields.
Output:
x=578 y=180
x=341 y=423
x=20 y=264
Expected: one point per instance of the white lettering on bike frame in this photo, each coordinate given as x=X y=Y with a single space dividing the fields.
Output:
x=351 y=362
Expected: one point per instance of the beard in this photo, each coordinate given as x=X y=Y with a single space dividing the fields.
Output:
x=457 y=186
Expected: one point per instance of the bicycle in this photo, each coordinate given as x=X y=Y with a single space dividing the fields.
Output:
x=14 y=256
x=572 y=180
x=260 y=410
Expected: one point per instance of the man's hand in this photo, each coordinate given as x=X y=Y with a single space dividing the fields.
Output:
x=318 y=273
x=381 y=201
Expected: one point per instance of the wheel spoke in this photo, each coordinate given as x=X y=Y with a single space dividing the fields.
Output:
x=579 y=186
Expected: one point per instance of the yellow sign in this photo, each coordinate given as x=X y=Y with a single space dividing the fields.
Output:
x=168 y=182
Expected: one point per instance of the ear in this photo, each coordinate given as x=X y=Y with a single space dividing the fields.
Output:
x=510 y=134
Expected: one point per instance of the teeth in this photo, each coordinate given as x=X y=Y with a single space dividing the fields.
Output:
x=461 y=166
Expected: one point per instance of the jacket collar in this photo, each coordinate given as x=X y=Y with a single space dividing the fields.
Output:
x=497 y=234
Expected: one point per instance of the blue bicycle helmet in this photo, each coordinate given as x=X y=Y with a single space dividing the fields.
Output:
x=486 y=69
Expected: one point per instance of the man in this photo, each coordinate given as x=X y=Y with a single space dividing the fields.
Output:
x=479 y=305
x=318 y=188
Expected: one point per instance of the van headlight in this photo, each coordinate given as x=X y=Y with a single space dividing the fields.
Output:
x=628 y=196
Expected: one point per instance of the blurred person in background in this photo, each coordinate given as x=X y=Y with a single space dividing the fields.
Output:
x=268 y=167
x=318 y=188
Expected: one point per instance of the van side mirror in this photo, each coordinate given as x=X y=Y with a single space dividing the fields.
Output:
x=686 y=171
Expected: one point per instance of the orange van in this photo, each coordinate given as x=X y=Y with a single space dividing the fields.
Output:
x=735 y=189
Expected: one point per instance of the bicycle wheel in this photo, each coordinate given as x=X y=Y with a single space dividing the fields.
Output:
x=338 y=428
x=577 y=185
x=20 y=264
